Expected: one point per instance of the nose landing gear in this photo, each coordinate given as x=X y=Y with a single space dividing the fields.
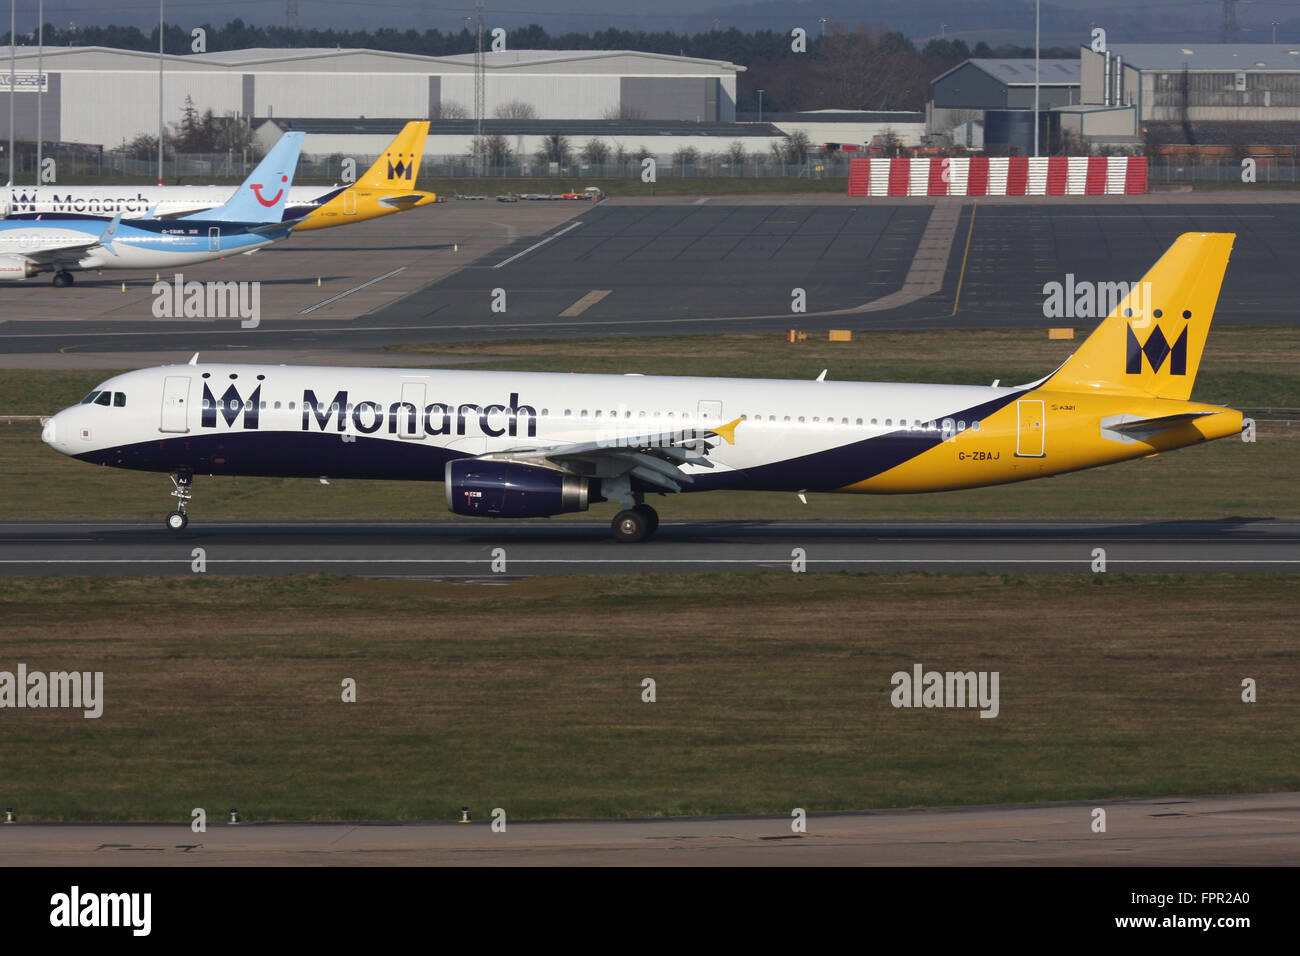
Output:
x=177 y=520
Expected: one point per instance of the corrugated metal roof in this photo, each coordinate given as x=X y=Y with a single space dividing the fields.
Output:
x=1209 y=56
x=1021 y=72
x=530 y=127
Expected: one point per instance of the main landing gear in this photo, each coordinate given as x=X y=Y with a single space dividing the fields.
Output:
x=63 y=278
x=635 y=524
x=177 y=520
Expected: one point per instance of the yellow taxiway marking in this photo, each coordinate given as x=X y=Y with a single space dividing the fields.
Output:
x=962 y=277
x=585 y=303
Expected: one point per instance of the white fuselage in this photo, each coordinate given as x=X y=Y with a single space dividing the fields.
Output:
x=133 y=202
x=406 y=423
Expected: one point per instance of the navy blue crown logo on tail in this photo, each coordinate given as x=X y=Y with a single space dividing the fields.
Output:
x=401 y=170
x=1156 y=349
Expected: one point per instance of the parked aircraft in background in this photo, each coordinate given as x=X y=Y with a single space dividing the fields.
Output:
x=385 y=188
x=516 y=444
x=248 y=220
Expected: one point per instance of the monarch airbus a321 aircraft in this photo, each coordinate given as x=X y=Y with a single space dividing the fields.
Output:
x=515 y=444
x=385 y=188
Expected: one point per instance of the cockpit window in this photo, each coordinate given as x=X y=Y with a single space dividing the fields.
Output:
x=104 y=398
x=90 y=398
x=119 y=399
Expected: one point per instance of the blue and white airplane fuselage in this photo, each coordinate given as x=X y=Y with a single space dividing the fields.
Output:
x=251 y=218
x=139 y=244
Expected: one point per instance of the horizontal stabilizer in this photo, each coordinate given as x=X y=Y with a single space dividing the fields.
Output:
x=1130 y=428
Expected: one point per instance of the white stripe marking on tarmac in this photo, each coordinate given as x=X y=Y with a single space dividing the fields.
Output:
x=386 y=275
x=537 y=245
x=601 y=560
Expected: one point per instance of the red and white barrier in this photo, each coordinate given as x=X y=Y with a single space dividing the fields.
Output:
x=999 y=176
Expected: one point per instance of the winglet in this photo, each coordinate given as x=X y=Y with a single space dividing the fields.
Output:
x=727 y=432
x=194 y=359
x=822 y=376
x=110 y=231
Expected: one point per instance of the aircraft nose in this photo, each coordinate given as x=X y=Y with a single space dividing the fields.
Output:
x=55 y=431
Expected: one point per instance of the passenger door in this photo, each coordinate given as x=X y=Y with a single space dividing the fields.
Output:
x=175 y=404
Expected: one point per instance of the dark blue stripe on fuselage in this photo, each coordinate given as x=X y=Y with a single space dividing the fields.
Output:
x=316 y=454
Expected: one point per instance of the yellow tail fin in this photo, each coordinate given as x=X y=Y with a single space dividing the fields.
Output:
x=399 y=166
x=1151 y=342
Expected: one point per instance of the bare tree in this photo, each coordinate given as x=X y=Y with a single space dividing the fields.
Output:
x=554 y=149
x=623 y=112
x=796 y=148
x=515 y=110
x=736 y=153
x=496 y=150
x=450 y=109
x=596 y=152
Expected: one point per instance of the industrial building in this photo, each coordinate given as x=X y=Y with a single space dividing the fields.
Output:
x=107 y=96
x=989 y=104
x=1135 y=85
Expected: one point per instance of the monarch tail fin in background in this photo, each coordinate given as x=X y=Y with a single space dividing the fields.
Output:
x=1151 y=343
x=399 y=166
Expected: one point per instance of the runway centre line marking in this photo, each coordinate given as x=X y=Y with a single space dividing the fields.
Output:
x=601 y=560
x=386 y=275
x=538 y=245
x=585 y=303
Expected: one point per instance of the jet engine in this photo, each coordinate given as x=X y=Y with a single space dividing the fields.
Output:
x=484 y=488
x=15 y=269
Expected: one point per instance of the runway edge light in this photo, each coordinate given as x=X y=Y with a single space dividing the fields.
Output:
x=9 y=815
x=464 y=814
x=234 y=817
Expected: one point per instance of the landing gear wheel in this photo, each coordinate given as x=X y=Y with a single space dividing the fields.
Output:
x=652 y=517
x=177 y=520
x=629 y=527
x=62 y=278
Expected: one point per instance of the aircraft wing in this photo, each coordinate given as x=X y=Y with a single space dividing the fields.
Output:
x=654 y=459
x=63 y=253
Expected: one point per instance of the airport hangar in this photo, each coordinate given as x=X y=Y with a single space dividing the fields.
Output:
x=106 y=96
x=353 y=100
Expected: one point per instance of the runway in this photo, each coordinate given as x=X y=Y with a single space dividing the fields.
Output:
x=1237 y=831
x=629 y=268
x=499 y=550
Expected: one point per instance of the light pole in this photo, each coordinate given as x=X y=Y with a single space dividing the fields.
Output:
x=1276 y=24
x=40 y=76
x=760 y=105
x=1037 y=5
x=822 y=21
x=160 y=92
x=13 y=73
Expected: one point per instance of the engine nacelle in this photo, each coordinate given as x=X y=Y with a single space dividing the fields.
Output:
x=485 y=488
x=15 y=269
